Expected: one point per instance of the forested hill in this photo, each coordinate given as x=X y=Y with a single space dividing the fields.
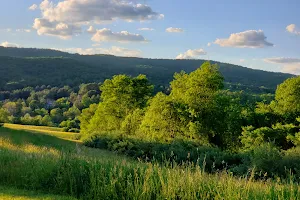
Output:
x=21 y=67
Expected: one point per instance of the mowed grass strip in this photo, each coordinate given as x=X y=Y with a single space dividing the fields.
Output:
x=54 y=131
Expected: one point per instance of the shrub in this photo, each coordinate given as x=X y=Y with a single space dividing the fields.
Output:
x=179 y=151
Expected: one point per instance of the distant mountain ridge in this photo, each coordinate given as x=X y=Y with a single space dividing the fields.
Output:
x=21 y=67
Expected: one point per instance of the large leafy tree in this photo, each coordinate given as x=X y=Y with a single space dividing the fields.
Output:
x=164 y=119
x=288 y=97
x=194 y=109
x=120 y=96
x=198 y=88
x=199 y=92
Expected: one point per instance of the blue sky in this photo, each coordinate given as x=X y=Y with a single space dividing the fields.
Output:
x=266 y=34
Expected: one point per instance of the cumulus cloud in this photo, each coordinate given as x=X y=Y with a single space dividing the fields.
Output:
x=7 y=44
x=174 y=30
x=82 y=11
x=33 y=7
x=118 y=51
x=91 y=30
x=71 y=15
x=289 y=65
x=61 y=30
x=209 y=44
x=246 y=39
x=293 y=29
x=146 y=29
x=123 y=36
x=191 y=54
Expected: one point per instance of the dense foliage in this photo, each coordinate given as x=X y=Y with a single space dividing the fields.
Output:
x=197 y=118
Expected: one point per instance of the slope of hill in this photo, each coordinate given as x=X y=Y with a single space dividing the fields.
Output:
x=21 y=67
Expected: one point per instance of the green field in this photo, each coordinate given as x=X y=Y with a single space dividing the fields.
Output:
x=36 y=163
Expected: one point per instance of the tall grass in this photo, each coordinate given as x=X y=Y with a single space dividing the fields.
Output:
x=77 y=171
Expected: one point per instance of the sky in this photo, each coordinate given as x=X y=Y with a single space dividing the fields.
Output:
x=252 y=33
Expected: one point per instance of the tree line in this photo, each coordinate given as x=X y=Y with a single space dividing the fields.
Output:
x=48 y=106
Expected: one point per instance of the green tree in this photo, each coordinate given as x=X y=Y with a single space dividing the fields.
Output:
x=132 y=122
x=72 y=113
x=197 y=89
x=120 y=97
x=199 y=92
x=86 y=116
x=4 y=115
x=57 y=115
x=47 y=121
x=162 y=119
x=62 y=103
x=287 y=97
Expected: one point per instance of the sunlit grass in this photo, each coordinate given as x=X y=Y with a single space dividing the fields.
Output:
x=54 y=131
x=26 y=148
x=15 y=194
x=35 y=142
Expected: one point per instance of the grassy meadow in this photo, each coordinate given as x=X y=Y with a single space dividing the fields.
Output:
x=36 y=163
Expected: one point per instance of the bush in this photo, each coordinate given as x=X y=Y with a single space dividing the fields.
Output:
x=265 y=159
x=179 y=151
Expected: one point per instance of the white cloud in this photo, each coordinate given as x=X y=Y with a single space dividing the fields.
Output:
x=91 y=30
x=209 y=44
x=289 y=65
x=23 y=30
x=242 y=60
x=61 y=30
x=71 y=15
x=146 y=29
x=97 y=11
x=293 y=29
x=174 y=30
x=33 y=7
x=7 y=44
x=123 y=36
x=191 y=54
x=246 y=39
x=118 y=51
